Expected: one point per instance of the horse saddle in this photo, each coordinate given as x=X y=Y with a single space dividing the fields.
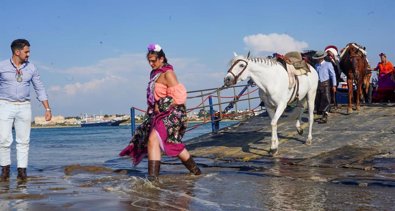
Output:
x=295 y=59
x=294 y=64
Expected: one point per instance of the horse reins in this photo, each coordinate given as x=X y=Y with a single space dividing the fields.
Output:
x=241 y=72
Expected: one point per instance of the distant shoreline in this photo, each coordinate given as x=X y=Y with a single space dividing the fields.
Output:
x=55 y=126
x=73 y=126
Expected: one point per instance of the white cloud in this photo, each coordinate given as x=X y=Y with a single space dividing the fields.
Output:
x=115 y=84
x=90 y=86
x=110 y=86
x=273 y=43
x=110 y=94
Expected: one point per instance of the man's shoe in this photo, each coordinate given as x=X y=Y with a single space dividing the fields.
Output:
x=324 y=119
x=5 y=173
x=22 y=176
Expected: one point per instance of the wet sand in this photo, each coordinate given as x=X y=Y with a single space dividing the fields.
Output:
x=56 y=190
x=350 y=164
x=261 y=185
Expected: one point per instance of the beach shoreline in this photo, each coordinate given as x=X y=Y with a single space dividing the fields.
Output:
x=350 y=159
x=124 y=124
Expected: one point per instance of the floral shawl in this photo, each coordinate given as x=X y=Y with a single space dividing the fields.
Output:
x=169 y=123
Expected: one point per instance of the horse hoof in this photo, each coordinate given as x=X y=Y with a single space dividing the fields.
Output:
x=300 y=131
x=273 y=152
x=308 y=142
x=349 y=110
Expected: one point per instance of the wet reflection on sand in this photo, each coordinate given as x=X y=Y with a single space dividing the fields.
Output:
x=263 y=185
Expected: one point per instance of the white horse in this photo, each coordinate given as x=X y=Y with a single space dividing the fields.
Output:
x=272 y=79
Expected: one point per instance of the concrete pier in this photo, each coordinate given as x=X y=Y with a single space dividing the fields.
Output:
x=362 y=140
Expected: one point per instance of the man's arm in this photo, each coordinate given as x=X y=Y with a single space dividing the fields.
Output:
x=41 y=94
x=48 y=112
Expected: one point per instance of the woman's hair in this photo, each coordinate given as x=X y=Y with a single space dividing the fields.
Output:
x=155 y=49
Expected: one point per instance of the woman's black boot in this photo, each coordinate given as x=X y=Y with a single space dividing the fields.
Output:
x=191 y=166
x=153 y=170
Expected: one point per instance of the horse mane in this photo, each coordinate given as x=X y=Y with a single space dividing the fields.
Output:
x=258 y=60
x=267 y=61
x=360 y=48
x=307 y=55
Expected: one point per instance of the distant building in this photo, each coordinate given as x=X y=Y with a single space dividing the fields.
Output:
x=72 y=121
x=40 y=120
x=69 y=121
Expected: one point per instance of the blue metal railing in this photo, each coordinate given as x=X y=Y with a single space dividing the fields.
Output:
x=215 y=117
x=133 y=120
x=212 y=115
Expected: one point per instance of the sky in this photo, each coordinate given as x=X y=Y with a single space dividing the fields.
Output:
x=91 y=54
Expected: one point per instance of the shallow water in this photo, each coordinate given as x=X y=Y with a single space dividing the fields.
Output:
x=79 y=169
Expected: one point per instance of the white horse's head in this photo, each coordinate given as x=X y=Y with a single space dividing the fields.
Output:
x=238 y=70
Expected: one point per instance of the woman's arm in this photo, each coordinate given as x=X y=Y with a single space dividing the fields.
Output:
x=174 y=89
x=171 y=79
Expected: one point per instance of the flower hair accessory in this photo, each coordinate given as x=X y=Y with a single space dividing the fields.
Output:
x=154 y=47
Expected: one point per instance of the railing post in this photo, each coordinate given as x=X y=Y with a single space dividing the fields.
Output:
x=218 y=114
x=235 y=100
x=203 y=107
x=219 y=102
x=132 y=120
x=212 y=115
x=249 y=98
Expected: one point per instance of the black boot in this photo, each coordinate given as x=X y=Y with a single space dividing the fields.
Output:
x=5 y=173
x=191 y=166
x=153 y=170
x=323 y=119
x=22 y=176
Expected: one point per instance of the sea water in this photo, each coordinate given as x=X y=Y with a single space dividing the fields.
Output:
x=50 y=187
x=89 y=145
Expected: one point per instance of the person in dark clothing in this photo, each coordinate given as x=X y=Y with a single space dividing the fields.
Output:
x=327 y=82
x=334 y=58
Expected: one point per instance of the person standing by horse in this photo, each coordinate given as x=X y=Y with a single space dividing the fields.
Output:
x=327 y=82
x=16 y=76
x=384 y=66
x=334 y=58
x=373 y=84
x=164 y=123
x=386 y=84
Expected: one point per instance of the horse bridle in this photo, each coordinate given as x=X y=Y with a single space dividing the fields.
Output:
x=241 y=72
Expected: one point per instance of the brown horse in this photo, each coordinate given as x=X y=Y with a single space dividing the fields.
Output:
x=354 y=64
